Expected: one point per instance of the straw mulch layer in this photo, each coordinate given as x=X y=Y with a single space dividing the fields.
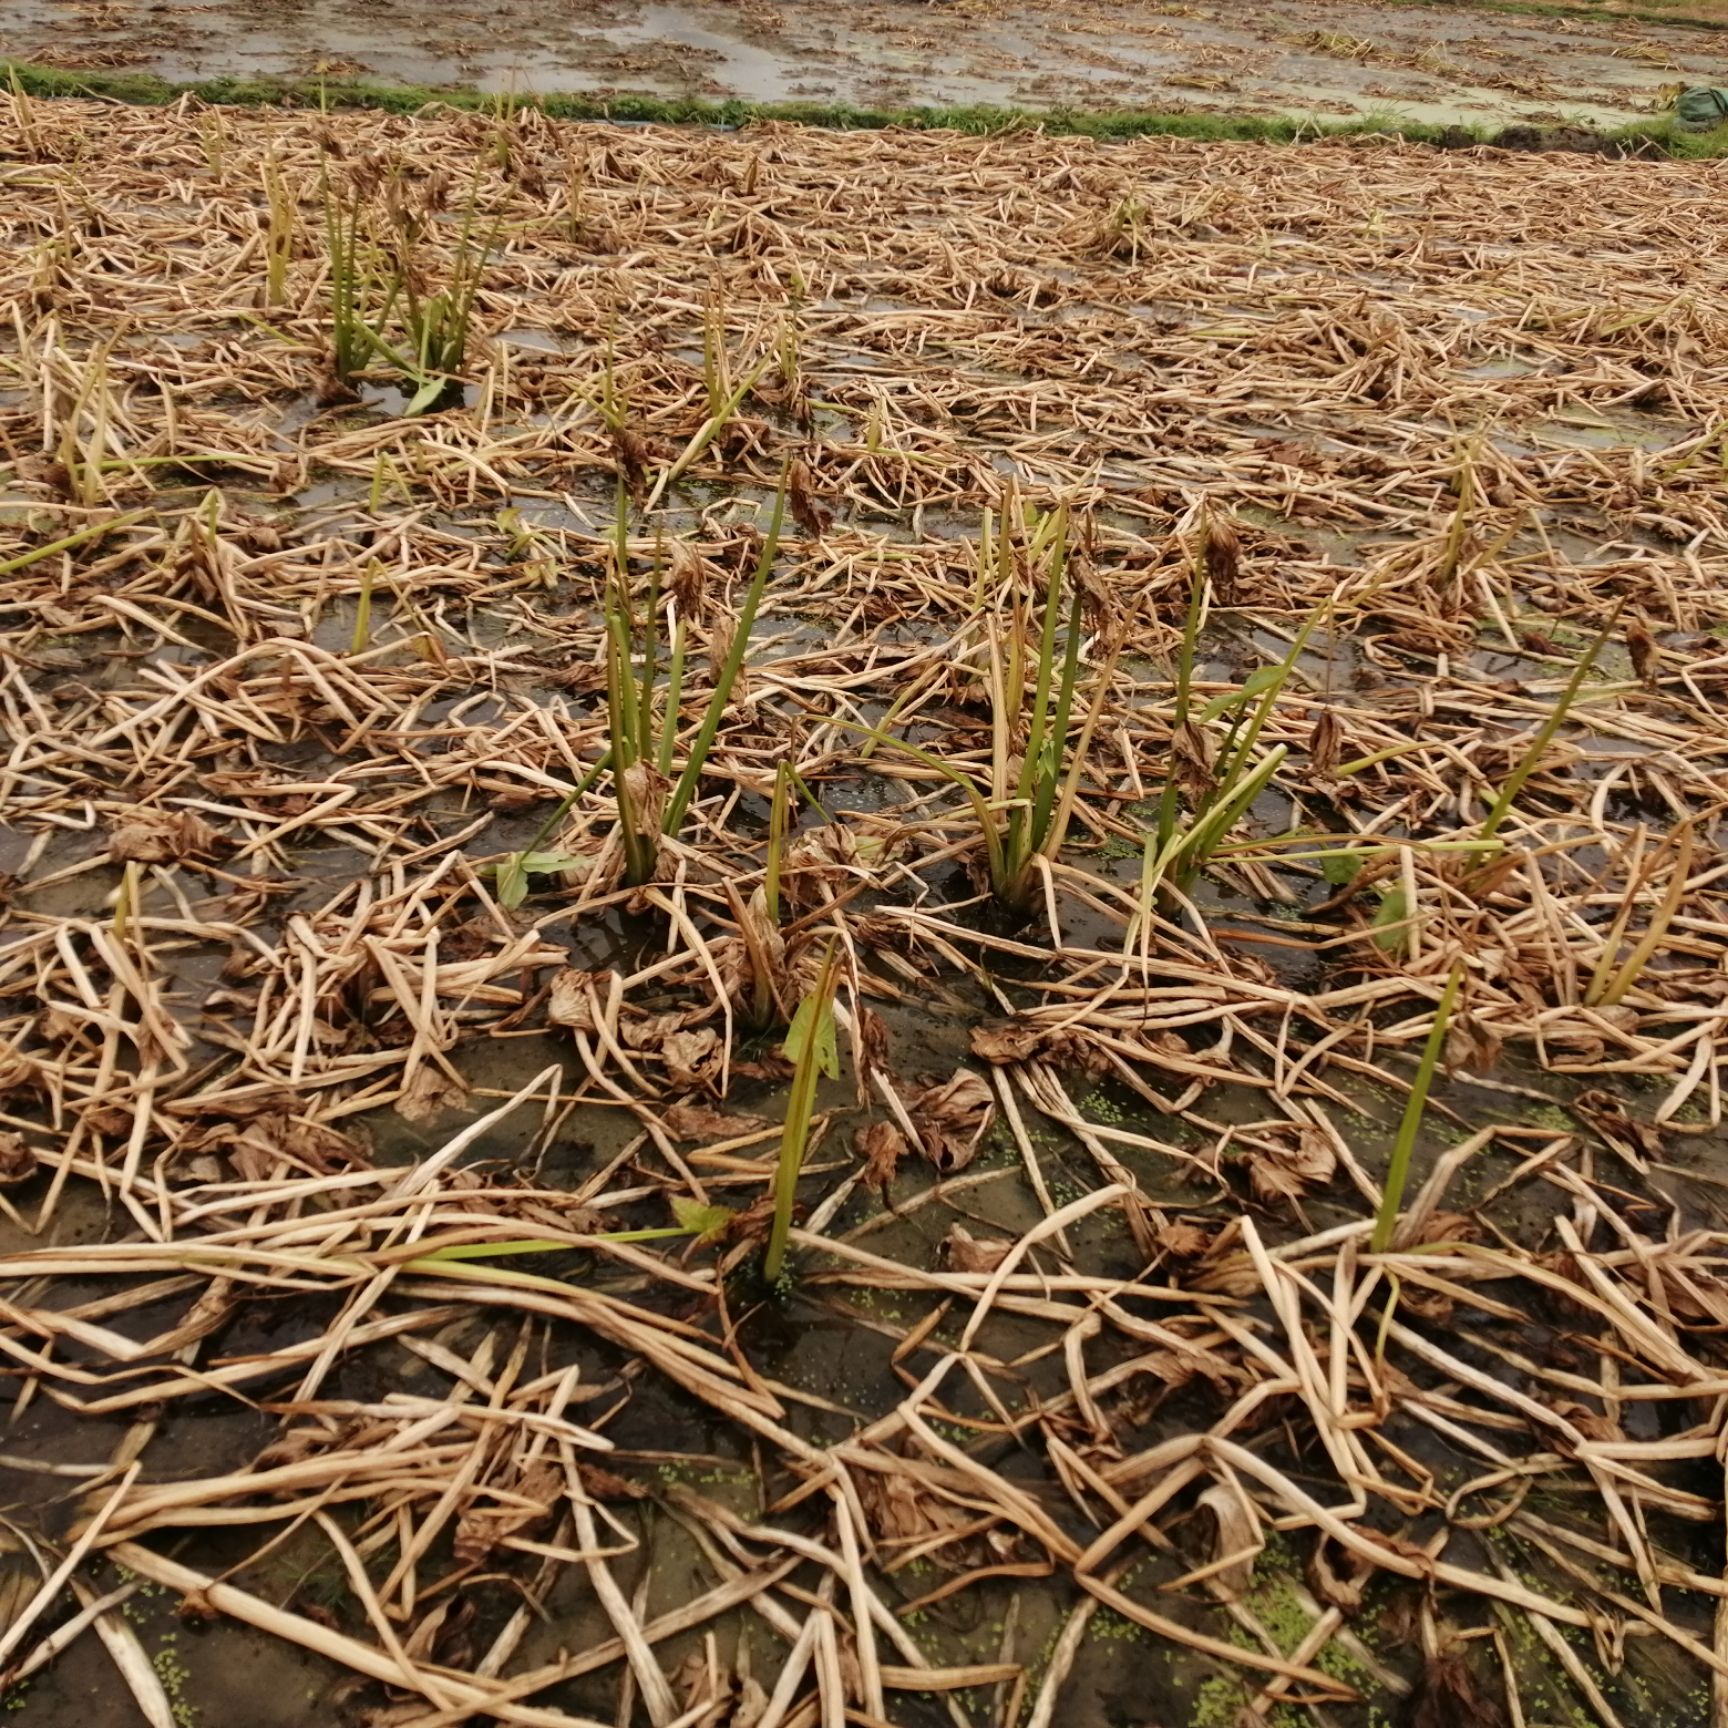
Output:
x=1089 y=1400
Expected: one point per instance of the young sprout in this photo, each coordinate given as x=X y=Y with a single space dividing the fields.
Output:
x=1034 y=782
x=812 y=1048
x=644 y=737
x=1398 y=1171
x=1228 y=780
x=1538 y=747
x=351 y=335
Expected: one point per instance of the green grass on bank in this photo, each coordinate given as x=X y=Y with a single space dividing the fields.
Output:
x=1660 y=133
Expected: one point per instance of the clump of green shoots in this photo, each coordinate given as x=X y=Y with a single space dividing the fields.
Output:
x=1032 y=679
x=813 y=1049
x=346 y=254
x=1222 y=777
x=725 y=394
x=438 y=322
x=645 y=732
x=377 y=278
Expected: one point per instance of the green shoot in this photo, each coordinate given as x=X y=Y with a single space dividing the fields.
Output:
x=1538 y=748
x=351 y=336
x=644 y=744
x=1386 y=1222
x=1024 y=819
x=68 y=541
x=779 y=819
x=439 y=325
x=514 y=871
x=813 y=1050
x=1609 y=983
x=1180 y=849
x=706 y=1223
x=716 y=423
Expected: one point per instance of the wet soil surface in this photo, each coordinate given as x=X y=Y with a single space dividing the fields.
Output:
x=1287 y=57
x=322 y=665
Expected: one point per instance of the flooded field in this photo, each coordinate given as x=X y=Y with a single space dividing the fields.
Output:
x=1445 y=64
x=1117 y=747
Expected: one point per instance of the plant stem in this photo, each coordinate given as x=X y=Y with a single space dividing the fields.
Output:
x=812 y=1038
x=1399 y=1169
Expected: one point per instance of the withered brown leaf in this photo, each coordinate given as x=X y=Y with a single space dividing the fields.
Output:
x=428 y=1094
x=952 y=1119
x=17 y=1160
x=881 y=1145
x=967 y=1253
x=145 y=835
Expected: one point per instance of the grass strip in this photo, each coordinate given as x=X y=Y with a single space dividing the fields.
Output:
x=1661 y=133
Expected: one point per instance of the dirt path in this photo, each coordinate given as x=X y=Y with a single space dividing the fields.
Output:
x=1421 y=63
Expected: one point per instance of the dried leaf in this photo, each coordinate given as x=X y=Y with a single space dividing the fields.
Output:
x=17 y=1160
x=691 y=1058
x=645 y=791
x=1449 y=1696
x=706 y=1124
x=871 y=1040
x=1332 y=1587
x=602 y=1484
x=966 y=1253
x=818 y=865
x=145 y=835
x=801 y=497
x=1238 y=1538
x=1287 y=1165
x=1642 y=647
x=1182 y=1241
x=1222 y=551
x=952 y=1119
x=881 y=1145
x=1005 y=1042
x=484 y=1524
x=649 y=1031
x=1191 y=755
x=571 y=1001
x=429 y=1094
x=1326 y=742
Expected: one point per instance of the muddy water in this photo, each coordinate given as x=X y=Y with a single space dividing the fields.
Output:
x=1287 y=57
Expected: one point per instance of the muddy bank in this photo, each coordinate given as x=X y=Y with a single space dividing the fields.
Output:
x=1429 y=64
